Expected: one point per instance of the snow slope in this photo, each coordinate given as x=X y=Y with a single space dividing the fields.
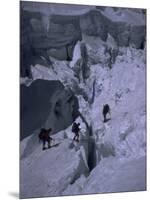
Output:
x=110 y=157
x=49 y=172
x=112 y=175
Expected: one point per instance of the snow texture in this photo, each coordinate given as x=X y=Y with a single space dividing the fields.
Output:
x=111 y=156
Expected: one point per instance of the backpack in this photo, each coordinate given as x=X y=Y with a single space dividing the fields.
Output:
x=42 y=133
x=74 y=127
x=106 y=109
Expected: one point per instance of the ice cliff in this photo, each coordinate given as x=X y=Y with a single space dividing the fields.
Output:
x=53 y=29
x=111 y=156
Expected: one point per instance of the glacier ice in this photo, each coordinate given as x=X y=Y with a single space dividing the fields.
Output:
x=110 y=157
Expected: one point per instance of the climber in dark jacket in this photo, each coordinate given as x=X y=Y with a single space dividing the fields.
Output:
x=44 y=135
x=75 y=130
x=106 y=110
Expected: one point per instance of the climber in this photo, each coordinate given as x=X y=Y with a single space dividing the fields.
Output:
x=44 y=136
x=75 y=130
x=106 y=110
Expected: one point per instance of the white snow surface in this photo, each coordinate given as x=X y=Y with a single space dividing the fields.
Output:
x=120 y=144
x=49 y=172
x=111 y=175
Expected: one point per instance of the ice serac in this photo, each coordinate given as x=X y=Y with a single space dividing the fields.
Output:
x=109 y=157
x=121 y=177
x=43 y=36
x=126 y=26
x=50 y=172
x=49 y=32
x=51 y=106
x=94 y=23
x=108 y=153
x=51 y=29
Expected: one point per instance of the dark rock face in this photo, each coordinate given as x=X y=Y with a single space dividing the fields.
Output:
x=46 y=104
